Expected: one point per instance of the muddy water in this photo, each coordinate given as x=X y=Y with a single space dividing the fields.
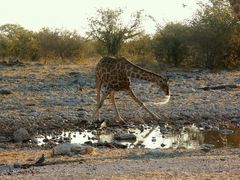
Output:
x=189 y=137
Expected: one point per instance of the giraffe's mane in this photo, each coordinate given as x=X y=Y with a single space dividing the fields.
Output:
x=143 y=69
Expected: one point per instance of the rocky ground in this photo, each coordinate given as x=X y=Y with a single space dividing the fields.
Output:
x=42 y=99
x=45 y=98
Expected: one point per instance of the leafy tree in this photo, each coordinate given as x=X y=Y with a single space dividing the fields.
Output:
x=4 y=46
x=139 y=49
x=213 y=28
x=89 y=49
x=170 y=43
x=59 y=43
x=110 y=31
x=18 y=42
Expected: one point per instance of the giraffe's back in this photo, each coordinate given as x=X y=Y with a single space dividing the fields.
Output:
x=112 y=73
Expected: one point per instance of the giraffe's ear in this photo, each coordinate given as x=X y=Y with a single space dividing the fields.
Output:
x=167 y=79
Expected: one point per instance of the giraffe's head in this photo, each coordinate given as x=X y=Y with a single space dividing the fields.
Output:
x=163 y=83
x=165 y=86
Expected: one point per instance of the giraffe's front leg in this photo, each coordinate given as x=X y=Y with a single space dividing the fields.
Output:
x=97 y=113
x=96 y=116
x=118 y=118
x=130 y=92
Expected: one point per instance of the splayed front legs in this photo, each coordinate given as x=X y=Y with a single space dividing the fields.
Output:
x=111 y=93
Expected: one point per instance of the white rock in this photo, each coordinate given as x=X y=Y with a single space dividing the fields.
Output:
x=71 y=149
x=63 y=149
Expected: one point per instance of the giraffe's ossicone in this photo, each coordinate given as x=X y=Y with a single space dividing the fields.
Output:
x=113 y=74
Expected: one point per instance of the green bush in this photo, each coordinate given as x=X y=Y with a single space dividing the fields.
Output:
x=18 y=43
x=59 y=43
x=170 y=44
x=215 y=35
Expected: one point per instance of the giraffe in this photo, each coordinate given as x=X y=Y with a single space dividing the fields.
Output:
x=112 y=74
x=236 y=7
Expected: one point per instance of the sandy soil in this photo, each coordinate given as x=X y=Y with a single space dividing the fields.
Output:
x=133 y=164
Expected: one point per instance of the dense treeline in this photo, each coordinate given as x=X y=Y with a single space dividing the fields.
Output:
x=210 y=39
x=19 y=43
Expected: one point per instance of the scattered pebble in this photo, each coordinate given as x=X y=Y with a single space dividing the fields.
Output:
x=125 y=137
x=21 y=135
x=5 y=92
x=72 y=149
x=226 y=131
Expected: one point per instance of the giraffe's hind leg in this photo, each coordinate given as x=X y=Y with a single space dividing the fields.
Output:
x=131 y=93
x=112 y=98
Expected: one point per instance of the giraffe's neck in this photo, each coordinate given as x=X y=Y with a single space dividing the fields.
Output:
x=134 y=71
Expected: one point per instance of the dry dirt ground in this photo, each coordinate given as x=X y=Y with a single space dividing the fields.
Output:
x=43 y=99
x=130 y=164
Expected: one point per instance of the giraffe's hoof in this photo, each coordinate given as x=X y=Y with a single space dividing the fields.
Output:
x=120 y=120
x=97 y=121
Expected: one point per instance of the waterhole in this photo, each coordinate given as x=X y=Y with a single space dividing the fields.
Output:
x=189 y=137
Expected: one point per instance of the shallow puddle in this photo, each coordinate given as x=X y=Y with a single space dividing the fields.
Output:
x=189 y=137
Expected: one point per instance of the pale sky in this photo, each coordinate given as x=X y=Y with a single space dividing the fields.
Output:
x=73 y=14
